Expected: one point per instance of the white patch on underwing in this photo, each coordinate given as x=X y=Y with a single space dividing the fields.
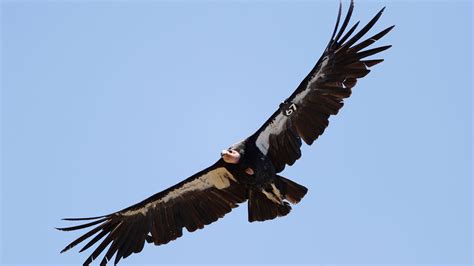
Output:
x=274 y=128
x=319 y=74
x=218 y=178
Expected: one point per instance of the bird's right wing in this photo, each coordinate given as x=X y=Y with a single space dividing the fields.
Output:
x=197 y=201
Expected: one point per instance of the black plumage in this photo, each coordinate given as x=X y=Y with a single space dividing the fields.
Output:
x=248 y=171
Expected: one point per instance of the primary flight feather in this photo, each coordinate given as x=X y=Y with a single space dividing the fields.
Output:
x=248 y=170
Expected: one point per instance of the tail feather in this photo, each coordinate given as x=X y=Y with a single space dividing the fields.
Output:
x=272 y=201
x=261 y=208
x=292 y=191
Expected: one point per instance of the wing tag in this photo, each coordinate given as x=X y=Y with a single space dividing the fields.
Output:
x=288 y=109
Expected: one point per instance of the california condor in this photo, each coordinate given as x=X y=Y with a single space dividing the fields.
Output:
x=247 y=170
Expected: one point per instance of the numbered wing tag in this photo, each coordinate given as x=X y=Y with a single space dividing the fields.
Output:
x=288 y=108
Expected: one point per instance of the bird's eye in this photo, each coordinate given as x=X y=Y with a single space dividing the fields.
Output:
x=230 y=151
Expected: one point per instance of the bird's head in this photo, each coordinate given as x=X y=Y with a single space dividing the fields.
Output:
x=230 y=156
x=234 y=154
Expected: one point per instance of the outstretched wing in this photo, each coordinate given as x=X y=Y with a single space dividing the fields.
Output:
x=304 y=115
x=193 y=203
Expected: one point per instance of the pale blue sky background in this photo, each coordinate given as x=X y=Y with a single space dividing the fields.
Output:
x=101 y=100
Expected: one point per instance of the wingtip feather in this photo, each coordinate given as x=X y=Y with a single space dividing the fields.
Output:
x=337 y=23
x=84 y=218
x=65 y=249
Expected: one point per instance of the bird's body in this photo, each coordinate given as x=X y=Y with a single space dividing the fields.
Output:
x=262 y=169
x=248 y=170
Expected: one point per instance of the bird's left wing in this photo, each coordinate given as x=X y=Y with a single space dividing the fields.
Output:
x=193 y=203
x=304 y=115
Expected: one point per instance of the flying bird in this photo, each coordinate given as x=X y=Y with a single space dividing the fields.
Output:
x=248 y=170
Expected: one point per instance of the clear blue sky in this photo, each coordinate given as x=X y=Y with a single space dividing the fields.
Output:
x=102 y=100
